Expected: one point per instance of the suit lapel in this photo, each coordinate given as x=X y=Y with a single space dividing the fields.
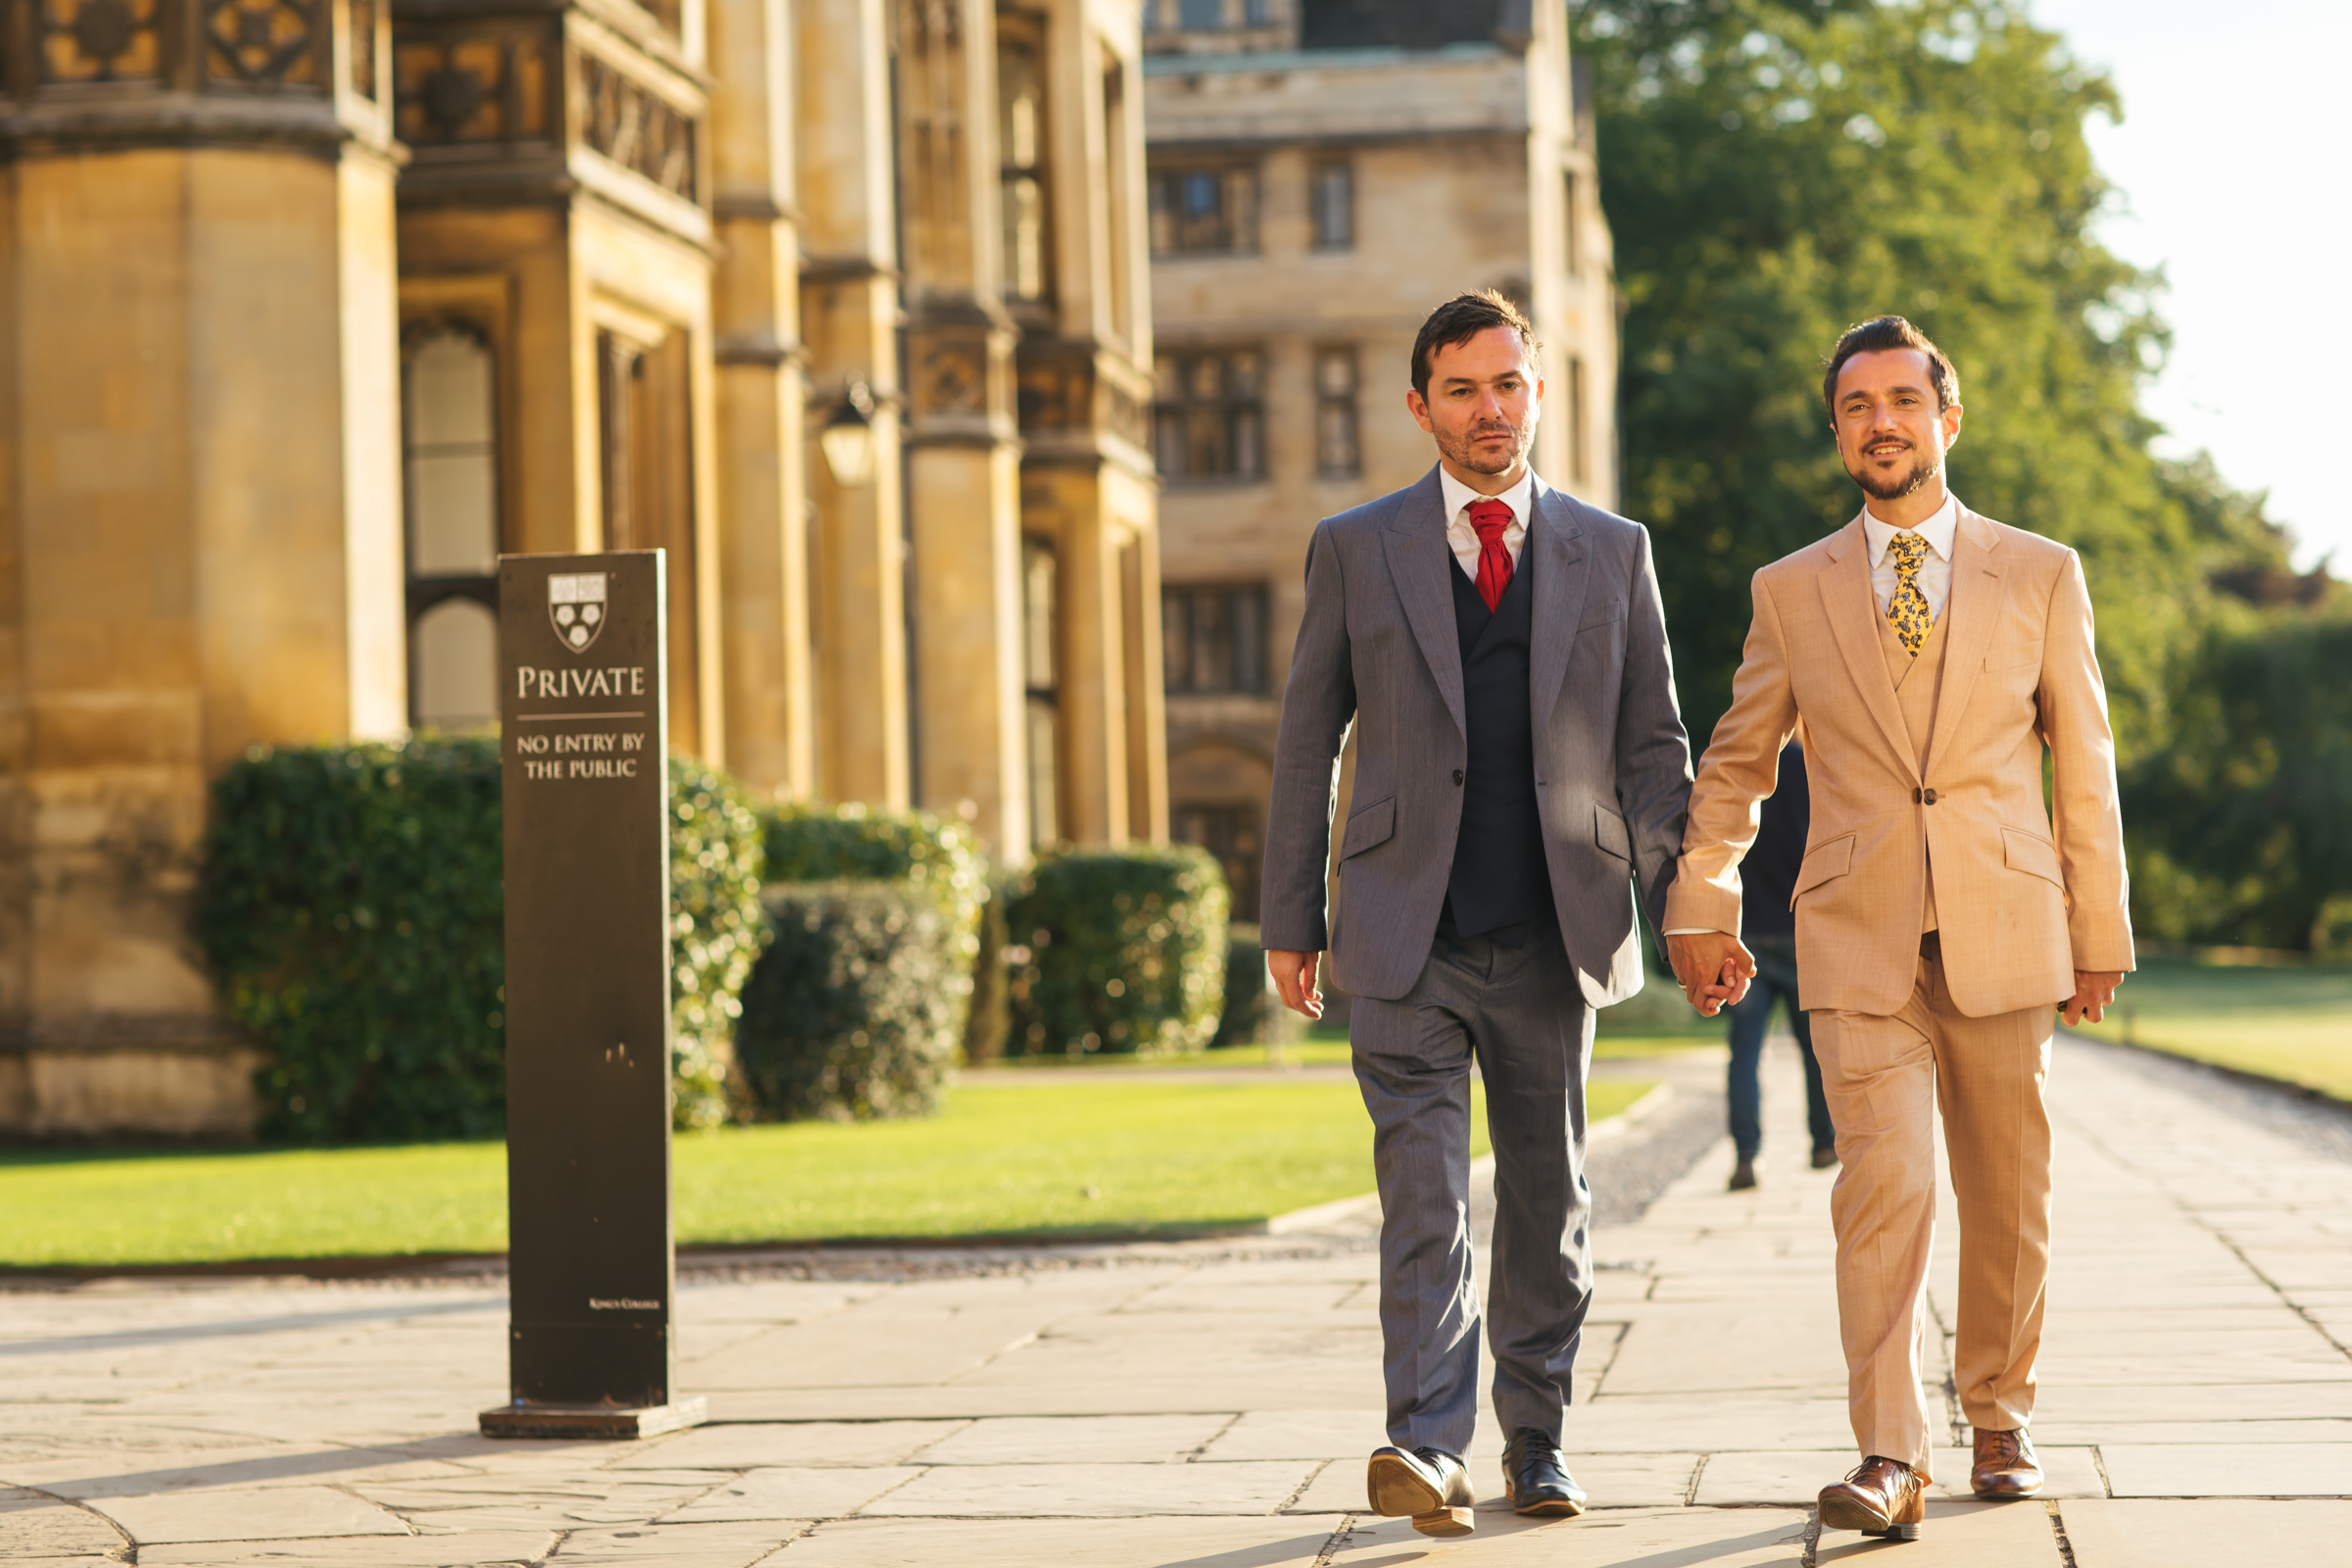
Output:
x=1969 y=614
x=1555 y=548
x=1853 y=611
x=1419 y=562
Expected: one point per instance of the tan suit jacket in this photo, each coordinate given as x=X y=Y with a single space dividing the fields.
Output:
x=2023 y=897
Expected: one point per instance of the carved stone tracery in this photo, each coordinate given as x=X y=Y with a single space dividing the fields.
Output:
x=636 y=128
x=473 y=88
x=262 y=44
x=98 y=40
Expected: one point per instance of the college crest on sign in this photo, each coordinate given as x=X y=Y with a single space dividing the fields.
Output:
x=576 y=603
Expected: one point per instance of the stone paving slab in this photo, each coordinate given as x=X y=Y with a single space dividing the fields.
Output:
x=2133 y=1534
x=1070 y=1438
x=2228 y=1470
x=1960 y=1535
x=243 y=1513
x=789 y=1493
x=1680 y=1538
x=488 y=1550
x=1150 y=1543
x=1094 y=1490
x=801 y=1443
x=1209 y=1406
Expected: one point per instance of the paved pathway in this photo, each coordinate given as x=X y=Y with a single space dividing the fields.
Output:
x=1209 y=1407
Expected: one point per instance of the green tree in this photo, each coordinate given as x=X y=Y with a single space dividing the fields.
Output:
x=1775 y=170
x=2242 y=823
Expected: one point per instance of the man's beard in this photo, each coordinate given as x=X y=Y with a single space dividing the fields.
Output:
x=1467 y=454
x=1921 y=472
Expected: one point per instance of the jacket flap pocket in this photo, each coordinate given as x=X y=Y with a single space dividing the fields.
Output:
x=1374 y=824
x=2023 y=852
x=1610 y=833
x=1602 y=615
x=1822 y=862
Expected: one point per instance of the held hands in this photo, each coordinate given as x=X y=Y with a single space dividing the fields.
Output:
x=1295 y=978
x=1713 y=968
x=2094 y=993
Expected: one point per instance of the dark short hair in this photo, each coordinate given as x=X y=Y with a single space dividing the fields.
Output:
x=1876 y=336
x=1461 y=319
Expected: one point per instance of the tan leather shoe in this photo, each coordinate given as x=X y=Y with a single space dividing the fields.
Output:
x=1881 y=1497
x=2006 y=1465
x=1427 y=1486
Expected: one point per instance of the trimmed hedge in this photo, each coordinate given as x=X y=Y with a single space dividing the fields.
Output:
x=716 y=931
x=852 y=1013
x=936 y=856
x=350 y=908
x=1253 y=1012
x=1117 y=950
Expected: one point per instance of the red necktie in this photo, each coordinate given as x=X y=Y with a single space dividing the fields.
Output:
x=1490 y=518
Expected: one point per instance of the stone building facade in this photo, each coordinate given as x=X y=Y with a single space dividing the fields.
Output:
x=1322 y=173
x=310 y=308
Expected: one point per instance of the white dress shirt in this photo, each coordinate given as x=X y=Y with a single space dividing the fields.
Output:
x=1934 y=568
x=1463 y=539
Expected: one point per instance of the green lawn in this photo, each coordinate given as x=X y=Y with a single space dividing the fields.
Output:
x=2291 y=1024
x=1006 y=1158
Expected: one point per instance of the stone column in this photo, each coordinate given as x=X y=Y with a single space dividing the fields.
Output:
x=556 y=209
x=1085 y=396
x=962 y=465
x=200 y=543
x=763 y=394
x=848 y=321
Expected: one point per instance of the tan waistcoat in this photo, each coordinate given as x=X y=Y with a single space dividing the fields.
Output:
x=1918 y=685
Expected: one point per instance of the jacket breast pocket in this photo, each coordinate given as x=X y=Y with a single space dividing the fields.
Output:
x=1824 y=862
x=1610 y=834
x=2017 y=655
x=1370 y=825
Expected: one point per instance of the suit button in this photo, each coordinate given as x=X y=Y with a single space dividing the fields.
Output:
x=1918 y=795
x=1457 y=775
x=1931 y=796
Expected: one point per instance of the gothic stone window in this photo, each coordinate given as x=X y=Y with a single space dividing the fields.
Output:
x=1339 y=455
x=1210 y=417
x=1331 y=194
x=1205 y=212
x=1021 y=142
x=1215 y=637
x=450 y=451
x=1041 y=659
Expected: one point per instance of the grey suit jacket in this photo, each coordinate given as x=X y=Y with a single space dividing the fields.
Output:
x=1378 y=648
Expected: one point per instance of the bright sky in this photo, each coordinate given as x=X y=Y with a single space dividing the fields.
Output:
x=2231 y=182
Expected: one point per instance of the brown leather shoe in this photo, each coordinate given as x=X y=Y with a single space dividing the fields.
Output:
x=1881 y=1497
x=2006 y=1465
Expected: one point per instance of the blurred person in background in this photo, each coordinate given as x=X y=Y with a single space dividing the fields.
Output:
x=1769 y=876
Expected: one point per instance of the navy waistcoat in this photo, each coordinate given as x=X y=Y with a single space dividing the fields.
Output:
x=1499 y=881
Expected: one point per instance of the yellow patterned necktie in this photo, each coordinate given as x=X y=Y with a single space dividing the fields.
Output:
x=1907 y=610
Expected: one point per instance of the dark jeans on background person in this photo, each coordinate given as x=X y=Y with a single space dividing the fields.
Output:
x=1752 y=1017
x=1521 y=1011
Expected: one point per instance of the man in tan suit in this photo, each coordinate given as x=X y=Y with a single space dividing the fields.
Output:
x=1932 y=656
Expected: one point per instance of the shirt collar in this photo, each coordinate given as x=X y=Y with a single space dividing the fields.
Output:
x=1459 y=495
x=1939 y=530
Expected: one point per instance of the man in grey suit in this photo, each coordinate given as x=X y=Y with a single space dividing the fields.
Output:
x=1521 y=772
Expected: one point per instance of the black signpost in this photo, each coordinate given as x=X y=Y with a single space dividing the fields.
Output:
x=586 y=798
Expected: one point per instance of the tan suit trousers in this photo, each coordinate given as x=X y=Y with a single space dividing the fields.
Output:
x=1886 y=1076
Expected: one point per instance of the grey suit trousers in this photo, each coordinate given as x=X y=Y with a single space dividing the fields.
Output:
x=1522 y=1012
